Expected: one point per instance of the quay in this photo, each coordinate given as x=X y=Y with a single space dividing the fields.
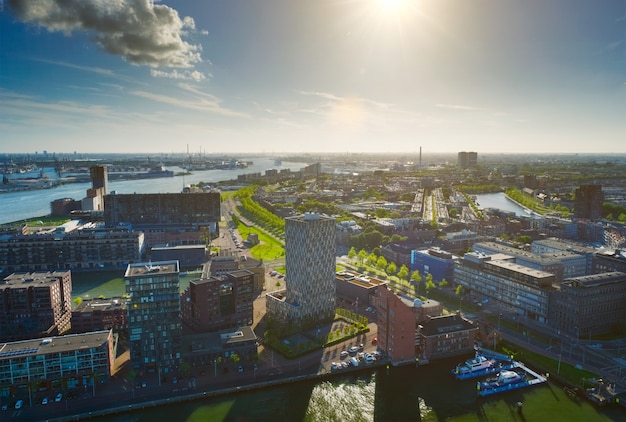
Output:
x=500 y=362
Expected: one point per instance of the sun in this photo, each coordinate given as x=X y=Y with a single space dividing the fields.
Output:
x=391 y=5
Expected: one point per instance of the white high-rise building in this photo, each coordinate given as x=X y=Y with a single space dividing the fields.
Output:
x=309 y=296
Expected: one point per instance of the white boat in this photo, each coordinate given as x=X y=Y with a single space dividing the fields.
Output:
x=478 y=363
x=504 y=378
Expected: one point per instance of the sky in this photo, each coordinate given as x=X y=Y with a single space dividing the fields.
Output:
x=293 y=76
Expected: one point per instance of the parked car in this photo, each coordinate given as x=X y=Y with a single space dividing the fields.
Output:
x=45 y=400
x=353 y=349
x=375 y=340
x=18 y=404
x=343 y=354
x=59 y=397
x=240 y=369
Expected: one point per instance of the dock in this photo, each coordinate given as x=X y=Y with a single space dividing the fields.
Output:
x=483 y=390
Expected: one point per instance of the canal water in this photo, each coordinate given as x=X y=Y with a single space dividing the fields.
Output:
x=16 y=206
x=428 y=393
x=499 y=201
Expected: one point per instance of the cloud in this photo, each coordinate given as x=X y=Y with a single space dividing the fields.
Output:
x=175 y=74
x=141 y=32
x=457 y=107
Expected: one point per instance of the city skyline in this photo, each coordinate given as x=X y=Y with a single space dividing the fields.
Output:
x=329 y=76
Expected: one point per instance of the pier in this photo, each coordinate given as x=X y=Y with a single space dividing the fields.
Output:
x=483 y=389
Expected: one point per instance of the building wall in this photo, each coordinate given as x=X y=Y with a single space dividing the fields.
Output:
x=437 y=263
x=396 y=326
x=35 y=304
x=154 y=322
x=100 y=314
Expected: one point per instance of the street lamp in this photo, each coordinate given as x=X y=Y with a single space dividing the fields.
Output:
x=499 y=316
x=558 y=371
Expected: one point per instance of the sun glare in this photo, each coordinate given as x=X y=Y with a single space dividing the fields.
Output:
x=391 y=5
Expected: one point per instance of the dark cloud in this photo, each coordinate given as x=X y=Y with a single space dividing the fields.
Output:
x=140 y=31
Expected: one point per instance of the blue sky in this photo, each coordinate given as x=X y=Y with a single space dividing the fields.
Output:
x=282 y=76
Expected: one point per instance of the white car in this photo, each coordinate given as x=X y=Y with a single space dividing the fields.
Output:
x=18 y=404
x=343 y=354
x=58 y=397
x=353 y=349
x=45 y=400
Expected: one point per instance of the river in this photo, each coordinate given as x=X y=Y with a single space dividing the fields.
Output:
x=428 y=393
x=16 y=206
x=501 y=202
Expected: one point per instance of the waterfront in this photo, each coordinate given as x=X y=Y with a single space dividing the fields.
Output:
x=428 y=393
x=15 y=206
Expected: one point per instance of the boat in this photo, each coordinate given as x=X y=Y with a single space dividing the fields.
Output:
x=476 y=364
x=505 y=377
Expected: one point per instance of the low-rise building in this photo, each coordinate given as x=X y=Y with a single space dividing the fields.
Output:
x=55 y=363
x=356 y=289
x=99 y=314
x=214 y=351
x=445 y=336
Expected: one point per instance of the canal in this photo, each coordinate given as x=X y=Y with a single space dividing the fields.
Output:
x=428 y=393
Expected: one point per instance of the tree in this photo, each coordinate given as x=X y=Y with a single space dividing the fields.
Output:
x=381 y=263
x=392 y=268
x=429 y=283
x=416 y=277
x=362 y=256
x=351 y=253
x=371 y=259
x=404 y=272
x=459 y=290
x=443 y=283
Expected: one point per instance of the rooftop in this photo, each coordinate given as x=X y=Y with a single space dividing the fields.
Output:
x=42 y=346
x=150 y=268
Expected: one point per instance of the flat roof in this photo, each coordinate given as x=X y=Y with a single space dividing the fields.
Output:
x=149 y=268
x=520 y=269
x=42 y=346
x=101 y=304
x=25 y=280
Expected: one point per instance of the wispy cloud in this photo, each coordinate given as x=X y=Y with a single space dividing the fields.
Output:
x=98 y=70
x=202 y=101
x=176 y=74
x=459 y=107
x=141 y=32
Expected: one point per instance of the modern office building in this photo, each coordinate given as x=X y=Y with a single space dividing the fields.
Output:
x=154 y=322
x=590 y=305
x=309 y=297
x=434 y=261
x=215 y=350
x=69 y=247
x=588 y=202
x=511 y=286
x=214 y=303
x=356 y=290
x=35 y=305
x=55 y=363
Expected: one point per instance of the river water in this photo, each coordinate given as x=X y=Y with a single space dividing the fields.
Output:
x=428 y=393
x=16 y=206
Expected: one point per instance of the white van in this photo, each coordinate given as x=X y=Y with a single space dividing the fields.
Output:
x=354 y=361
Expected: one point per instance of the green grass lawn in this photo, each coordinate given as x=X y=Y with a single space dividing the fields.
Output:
x=268 y=248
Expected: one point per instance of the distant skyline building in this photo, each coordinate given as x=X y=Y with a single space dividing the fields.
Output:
x=309 y=297
x=467 y=159
x=588 y=202
x=154 y=321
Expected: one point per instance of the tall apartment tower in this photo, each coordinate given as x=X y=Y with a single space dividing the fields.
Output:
x=310 y=262
x=588 y=203
x=154 y=321
x=467 y=159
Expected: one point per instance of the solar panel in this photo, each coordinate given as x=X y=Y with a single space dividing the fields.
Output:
x=19 y=352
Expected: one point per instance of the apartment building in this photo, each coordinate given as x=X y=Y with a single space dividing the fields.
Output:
x=154 y=321
x=73 y=247
x=309 y=297
x=55 y=363
x=35 y=304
